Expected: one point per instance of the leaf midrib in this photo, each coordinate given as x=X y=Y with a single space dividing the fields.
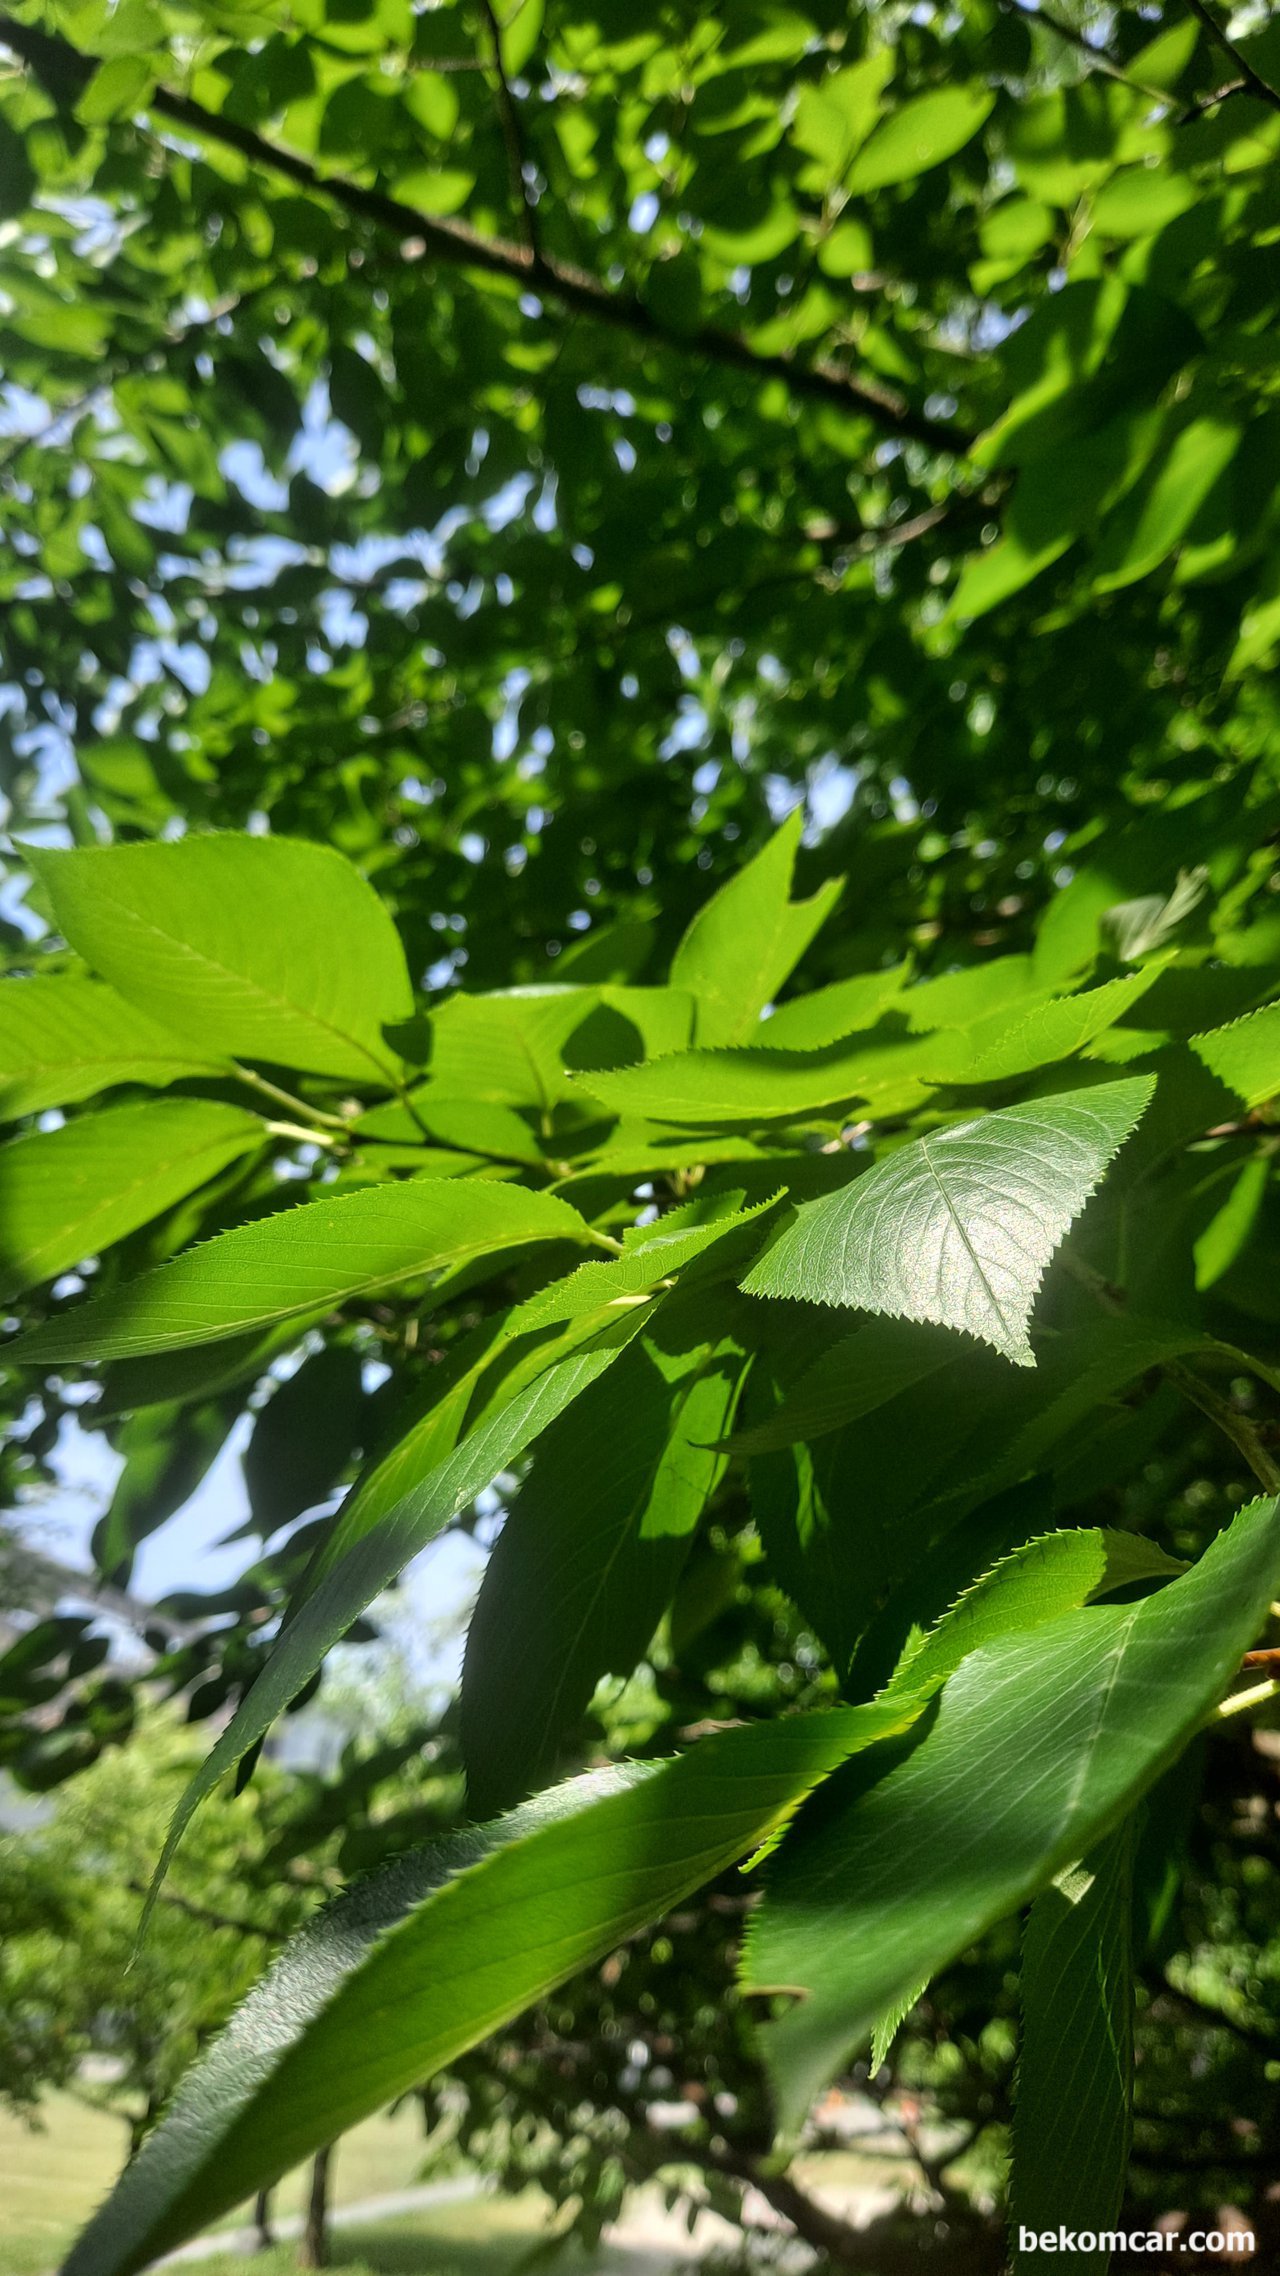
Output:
x=958 y=1222
x=200 y=956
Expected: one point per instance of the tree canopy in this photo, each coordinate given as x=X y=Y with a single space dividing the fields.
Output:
x=644 y=796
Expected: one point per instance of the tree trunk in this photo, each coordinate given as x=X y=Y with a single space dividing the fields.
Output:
x=262 y=2221
x=313 y=2251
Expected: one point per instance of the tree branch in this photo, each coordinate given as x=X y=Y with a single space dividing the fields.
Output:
x=1205 y=103
x=513 y=137
x=1253 y=80
x=1230 y=1422
x=206 y=1915
x=1099 y=57
x=65 y=72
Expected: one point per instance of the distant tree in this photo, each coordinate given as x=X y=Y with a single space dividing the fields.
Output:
x=73 y=1990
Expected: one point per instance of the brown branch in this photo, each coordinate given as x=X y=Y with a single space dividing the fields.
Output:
x=65 y=72
x=1254 y=82
x=513 y=137
x=879 y=2246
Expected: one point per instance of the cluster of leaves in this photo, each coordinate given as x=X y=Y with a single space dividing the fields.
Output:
x=698 y=1252
x=512 y=444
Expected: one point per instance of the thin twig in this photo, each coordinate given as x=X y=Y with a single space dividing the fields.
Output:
x=1205 y=103
x=1253 y=80
x=66 y=73
x=304 y=1132
x=1230 y=1422
x=513 y=137
x=206 y=1915
x=296 y=1106
x=1099 y=57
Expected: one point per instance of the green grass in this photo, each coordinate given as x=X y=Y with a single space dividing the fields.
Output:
x=486 y=2238
x=51 y=2180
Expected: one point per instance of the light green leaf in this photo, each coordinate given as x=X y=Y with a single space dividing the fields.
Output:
x=438 y=1949
x=67 y=1194
x=1071 y=2117
x=1146 y=527
x=957 y=999
x=268 y=948
x=315 y=1256
x=64 y=1039
x=507 y=1048
x=1228 y=1231
x=809 y=1022
x=651 y=1255
x=662 y=1018
x=1039 y=1581
x=959 y=1227
x=1246 y=1055
x=835 y=115
x=757 y=1085
x=920 y=134
x=997 y=1049
x=890 y=2023
x=748 y=938
x=471 y=1125
x=117 y=89
x=1038 y=1746
x=591 y=1550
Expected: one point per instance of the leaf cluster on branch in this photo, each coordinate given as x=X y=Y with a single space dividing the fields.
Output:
x=669 y=1279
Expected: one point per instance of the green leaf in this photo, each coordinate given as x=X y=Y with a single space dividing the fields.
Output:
x=167 y=1452
x=890 y=2023
x=1145 y=528
x=651 y=1255
x=1071 y=2116
x=1036 y=1748
x=373 y=1542
x=263 y=947
x=67 y=1194
x=1245 y=1056
x=199 y=1372
x=591 y=1550
x=304 y=1437
x=957 y=999
x=807 y=1022
x=507 y=1048
x=306 y=1259
x=117 y=89
x=756 y=1085
x=858 y=1374
x=959 y=1227
x=470 y=1125
x=65 y=1039
x=997 y=1049
x=748 y=938
x=441 y=1947
x=1039 y=1581
x=920 y=134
